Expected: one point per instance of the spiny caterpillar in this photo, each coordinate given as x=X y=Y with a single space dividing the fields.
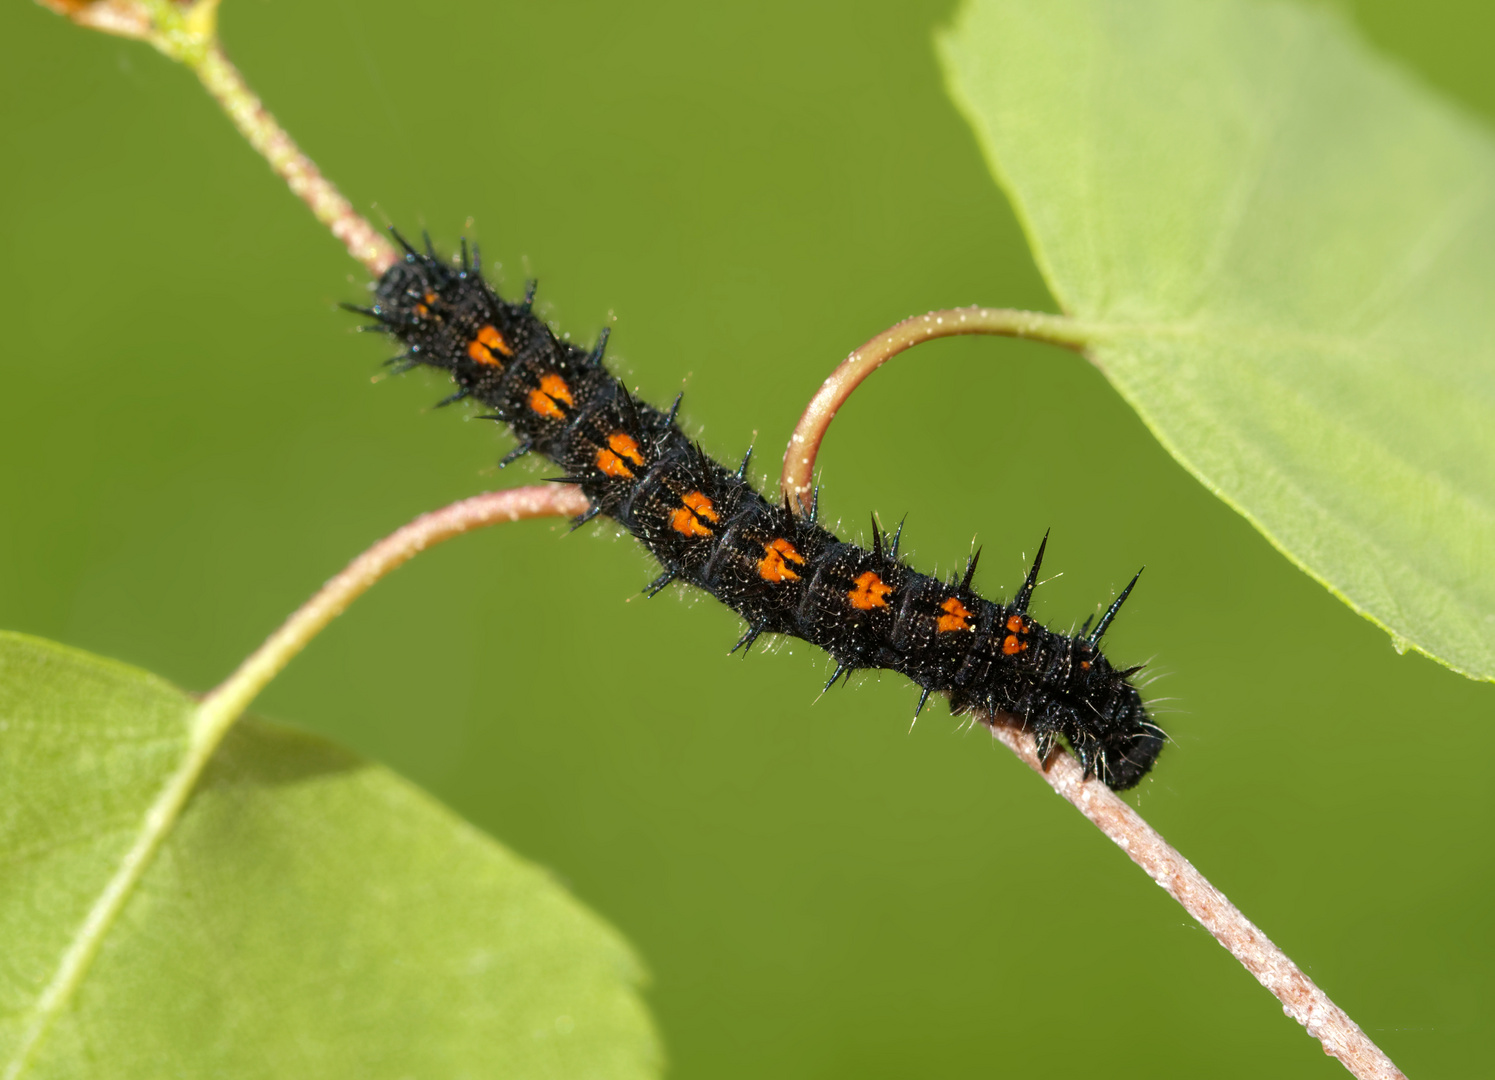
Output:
x=777 y=568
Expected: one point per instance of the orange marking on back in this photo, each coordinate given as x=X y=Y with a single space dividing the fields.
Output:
x=624 y=445
x=481 y=347
x=556 y=387
x=1011 y=645
x=553 y=390
x=687 y=520
x=1085 y=665
x=955 y=615
x=701 y=505
x=778 y=554
x=1016 y=624
x=870 y=592
x=490 y=337
x=611 y=464
x=620 y=445
x=541 y=403
x=422 y=310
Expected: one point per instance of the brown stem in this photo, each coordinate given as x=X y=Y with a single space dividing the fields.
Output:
x=804 y=444
x=223 y=81
x=1301 y=999
x=224 y=704
x=187 y=32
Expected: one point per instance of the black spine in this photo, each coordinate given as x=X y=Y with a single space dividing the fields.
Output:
x=780 y=571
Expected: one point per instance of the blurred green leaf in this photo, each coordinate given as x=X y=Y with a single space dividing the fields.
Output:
x=1287 y=250
x=309 y=914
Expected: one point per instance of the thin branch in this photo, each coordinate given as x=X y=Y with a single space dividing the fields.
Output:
x=804 y=444
x=229 y=699
x=365 y=243
x=187 y=32
x=1301 y=999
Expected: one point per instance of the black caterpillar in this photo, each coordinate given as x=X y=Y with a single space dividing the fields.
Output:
x=778 y=569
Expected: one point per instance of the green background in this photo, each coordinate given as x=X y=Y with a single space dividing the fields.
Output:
x=189 y=445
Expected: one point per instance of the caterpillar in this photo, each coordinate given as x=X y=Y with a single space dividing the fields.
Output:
x=773 y=564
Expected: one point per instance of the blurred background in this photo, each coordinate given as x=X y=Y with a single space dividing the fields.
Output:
x=190 y=444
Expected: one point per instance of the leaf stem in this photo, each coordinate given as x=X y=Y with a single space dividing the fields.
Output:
x=799 y=456
x=220 y=708
x=224 y=704
x=227 y=87
x=187 y=32
x=1340 y=1036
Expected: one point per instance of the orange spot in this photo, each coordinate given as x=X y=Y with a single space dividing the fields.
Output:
x=1085 y=665
x=611 y=464
x=624 y=445
x=620 y=445
x=429 y=298
x=422 y=310
x=481 y=348
x=955 y=615
x=687 y=520
x=546 y=400
x=701 y=505
x=1011 y=645
x=556 y=387
x=1016 y=624
x=778 y=554
x=870 y=592
x=490 y=337
x=541 y=403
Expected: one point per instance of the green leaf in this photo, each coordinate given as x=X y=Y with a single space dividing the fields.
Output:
x=307 y=914
x=1284 y=250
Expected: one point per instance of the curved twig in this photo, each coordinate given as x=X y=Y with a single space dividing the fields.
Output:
x=1301 y=999
x=187 y=31
x=223 y=81
x=234 y=694
x=804 y=444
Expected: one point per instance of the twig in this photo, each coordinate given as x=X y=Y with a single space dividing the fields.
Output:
x=365 y=243
x=231 y=697
x=804 y=444
x=1301 y=999
x=188 y=33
